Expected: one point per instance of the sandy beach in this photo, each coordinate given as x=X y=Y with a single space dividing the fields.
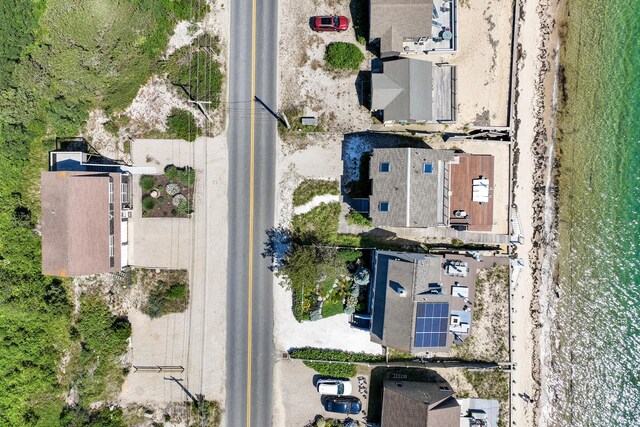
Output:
x=534 y=196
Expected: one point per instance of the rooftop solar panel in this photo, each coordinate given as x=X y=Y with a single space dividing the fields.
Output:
x=432 y=320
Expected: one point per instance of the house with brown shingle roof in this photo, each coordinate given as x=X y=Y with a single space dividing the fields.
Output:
x=419 y=404
x=81 y=223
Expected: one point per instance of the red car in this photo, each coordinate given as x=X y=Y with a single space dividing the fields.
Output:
x=329 y=23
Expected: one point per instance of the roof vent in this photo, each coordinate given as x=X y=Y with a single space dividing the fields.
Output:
x=400 y=290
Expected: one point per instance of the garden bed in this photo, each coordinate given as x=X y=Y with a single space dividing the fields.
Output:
x=168 y=195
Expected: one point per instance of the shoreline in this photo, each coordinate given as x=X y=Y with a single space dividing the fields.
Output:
x=535 y=193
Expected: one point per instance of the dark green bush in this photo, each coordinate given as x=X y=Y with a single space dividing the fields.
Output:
x=333 y=355
x=356 y=218
x=148 y=203
x=344 y=56
x=184 y=208
x=186 y=176
x=171 y=172
x=147 y=183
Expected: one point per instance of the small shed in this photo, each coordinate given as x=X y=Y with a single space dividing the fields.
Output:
x=309 y=121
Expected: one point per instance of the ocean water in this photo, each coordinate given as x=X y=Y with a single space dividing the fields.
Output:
x=596 y=376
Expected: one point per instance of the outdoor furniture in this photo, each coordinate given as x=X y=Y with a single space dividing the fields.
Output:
x=447 y=35
x=480 y=190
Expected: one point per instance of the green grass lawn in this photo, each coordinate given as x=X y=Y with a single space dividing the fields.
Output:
x=331 y=308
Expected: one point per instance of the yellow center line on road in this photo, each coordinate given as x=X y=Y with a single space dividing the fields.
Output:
x=251 y=203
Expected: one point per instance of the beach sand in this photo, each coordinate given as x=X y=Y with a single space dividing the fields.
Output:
x=533 y=158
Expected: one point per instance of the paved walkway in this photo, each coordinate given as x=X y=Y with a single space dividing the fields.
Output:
x=446 y=232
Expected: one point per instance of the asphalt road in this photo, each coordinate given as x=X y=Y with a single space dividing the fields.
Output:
x=252 y=156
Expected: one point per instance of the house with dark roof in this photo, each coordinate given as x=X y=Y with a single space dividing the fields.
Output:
x=419 y=404
x=422 y=187
x=414 y=91
x=413 y=27
x=421 y=303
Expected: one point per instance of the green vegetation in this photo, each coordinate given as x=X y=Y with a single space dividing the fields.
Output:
x=58 y=59
x=147 y=182
x=167 y=298
x=491 y=385
x=197 y=72
x=356 y=218
x=333 y=355
x=343 y=56
x=457 y=243
x=182 y=125
x=173 y=193
x=339 y=370
x=82 y=417
x=210 y=410
x=294 y=116
x=103 y=337
x=309 y=188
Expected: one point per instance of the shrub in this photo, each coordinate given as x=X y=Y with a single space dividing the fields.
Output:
x=186 y=176
x=333 y=355
x=181 y=124
x=339 y=370
x=171 y=172
x=457 y=243
x=166 y=298
x=146 y=183
x=356 y=218
x=361 y=276
x=184 y=208
x=344 y=56
x=362 y=40
x=148 y=203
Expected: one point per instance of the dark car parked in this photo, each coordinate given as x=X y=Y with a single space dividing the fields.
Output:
x=342 y=404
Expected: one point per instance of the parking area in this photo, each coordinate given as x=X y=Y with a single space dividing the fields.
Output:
x=298 y=402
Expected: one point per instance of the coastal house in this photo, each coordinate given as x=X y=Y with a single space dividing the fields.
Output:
x=421 y=302
x=414 y=91
x=86 y=202
x=433 y=404
x=422 y=187
x=419 y=404
x=413 y=27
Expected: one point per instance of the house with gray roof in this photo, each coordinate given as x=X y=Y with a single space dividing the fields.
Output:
x=414 y=91
x=405 y=286
x=421 y=303
x=419 y=404
x=408 y=187
x=413 y=27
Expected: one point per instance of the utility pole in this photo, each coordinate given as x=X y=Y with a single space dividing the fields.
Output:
x=201 y=108
x=198 y=399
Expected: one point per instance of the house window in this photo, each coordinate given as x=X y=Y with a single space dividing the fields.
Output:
x=383 y=206
x=385 y=166
x=427 y=168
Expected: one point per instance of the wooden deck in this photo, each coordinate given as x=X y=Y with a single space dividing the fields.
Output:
x=461 y=189
x=442 y=93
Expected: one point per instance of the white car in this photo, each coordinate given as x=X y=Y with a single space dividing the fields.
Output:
x=334 y=387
